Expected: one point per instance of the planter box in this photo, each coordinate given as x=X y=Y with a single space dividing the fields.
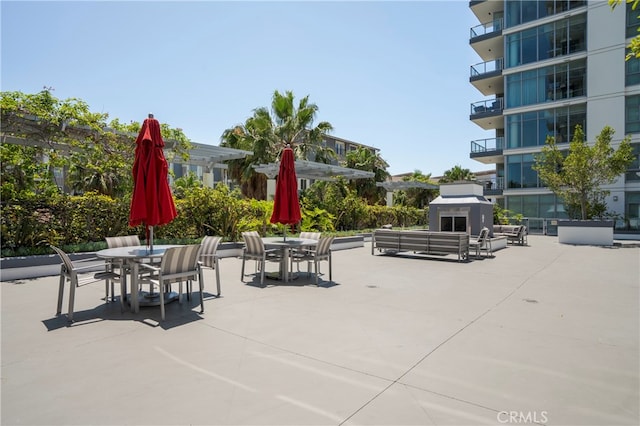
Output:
x=586 y=232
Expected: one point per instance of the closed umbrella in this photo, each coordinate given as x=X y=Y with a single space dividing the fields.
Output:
x=286 y=207
x=151 y=203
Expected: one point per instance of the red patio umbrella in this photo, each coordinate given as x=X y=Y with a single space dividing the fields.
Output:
x=286 y=206
x=152 y=203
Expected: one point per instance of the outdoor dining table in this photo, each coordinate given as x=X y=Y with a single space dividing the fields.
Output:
x=285 y=245
x=132 y=256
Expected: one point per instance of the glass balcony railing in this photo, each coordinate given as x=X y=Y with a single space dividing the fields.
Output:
x=486 y=67
x=486 y=28
x=494 y=186
x=489 y=106
x=487 y=145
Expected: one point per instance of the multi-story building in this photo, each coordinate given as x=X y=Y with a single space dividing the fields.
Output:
x=546 y=67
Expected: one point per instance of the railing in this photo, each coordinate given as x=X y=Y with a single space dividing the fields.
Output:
x=486 y=67
x=494 y=185
x=489 y=105
x=487 y=145
x=487 y=28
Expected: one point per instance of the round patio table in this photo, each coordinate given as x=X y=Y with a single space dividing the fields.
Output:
x=286 y=245
x=132 y=256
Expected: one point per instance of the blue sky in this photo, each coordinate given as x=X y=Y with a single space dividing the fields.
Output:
x=393 y=75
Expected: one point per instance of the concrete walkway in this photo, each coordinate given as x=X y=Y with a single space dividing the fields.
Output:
x=545 y=334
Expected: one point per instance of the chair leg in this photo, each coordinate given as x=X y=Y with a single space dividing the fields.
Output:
x=72 y=295
x=201 y=280
x=330 y=277
x=161 y=290
x=262 y=266
x=60 y=292
x=123 y=290
x=242 y=271
x=217 y=266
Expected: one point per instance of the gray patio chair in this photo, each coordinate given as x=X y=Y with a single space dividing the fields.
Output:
x=118 y=265
x=178 y=264
x=209 y=256
x=483 y=242
x=297 y=255
x=254 y=249
x=81 y=273
x=322 y=252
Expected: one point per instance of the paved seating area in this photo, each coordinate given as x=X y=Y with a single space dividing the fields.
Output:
x=547 y=332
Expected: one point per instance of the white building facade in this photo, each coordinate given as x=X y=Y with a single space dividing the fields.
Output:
x=546 y=67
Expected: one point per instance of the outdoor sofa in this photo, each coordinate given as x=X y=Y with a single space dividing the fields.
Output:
x=421 y=242
x=516 y=234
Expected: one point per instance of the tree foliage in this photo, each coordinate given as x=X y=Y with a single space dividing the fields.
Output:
x=266 y=132
x=66 y=134
x=634 y=45
x=366 y=160
x=416 y=197
x=576 y=176
x=457 y=173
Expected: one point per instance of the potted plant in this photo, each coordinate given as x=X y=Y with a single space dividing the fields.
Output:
x=577 y=176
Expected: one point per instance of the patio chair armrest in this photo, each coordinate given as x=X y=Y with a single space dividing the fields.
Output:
x=148 y=266
x=88 y=267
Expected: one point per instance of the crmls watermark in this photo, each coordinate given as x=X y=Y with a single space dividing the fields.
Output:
x=518 y=417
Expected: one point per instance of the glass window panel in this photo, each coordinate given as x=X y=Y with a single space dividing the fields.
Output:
x=577 y=78
x=633 y=23
x=561 y=81
x=633 y=171
x=577 y=115
x=562 y=122
x=544 y=127
x=513 y=203
x=514 y=97
x=529 y=87
x=529 y=206
x=577 y=34
x=632 y=72
x=446 y=223
x=576 y=3
x=561 y=37
x=529 y=10
x=545 y=8
x=529 y=129
x=547 y=206
x=513 y=13
x=632 y=114
x=529 y=46
x=513 y=126
x=514 y=167
x=513 y=50
x=545 y=41
x=529 y=176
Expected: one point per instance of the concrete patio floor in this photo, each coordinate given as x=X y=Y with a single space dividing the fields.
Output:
x=546 y=334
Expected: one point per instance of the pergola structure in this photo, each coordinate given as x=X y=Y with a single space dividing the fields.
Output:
x=392 y=186
x=316 y=171
x=29 y=130
x=311 y=170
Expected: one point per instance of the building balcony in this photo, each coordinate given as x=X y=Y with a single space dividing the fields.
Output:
x=487 y=151
x=485 y=9
x=486 y=39
x=487 y=77
x=488 y=114
x=494 y=187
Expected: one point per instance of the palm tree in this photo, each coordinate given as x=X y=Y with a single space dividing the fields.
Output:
x=457 y=173
x=267 y=133
x=419 y=197
x=367 y=160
